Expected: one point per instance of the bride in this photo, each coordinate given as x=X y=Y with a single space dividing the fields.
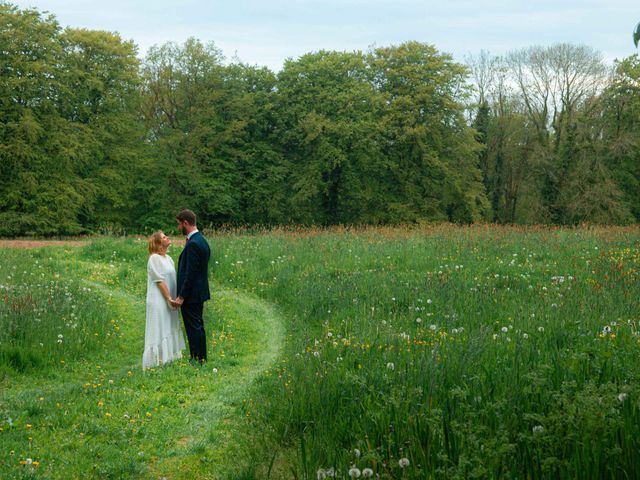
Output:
x=163 y=341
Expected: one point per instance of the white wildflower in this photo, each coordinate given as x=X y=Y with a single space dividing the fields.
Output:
x=403 y=462
x=622 y=397
x=367 y=473
x=354 y=472
x=391 y=366
x=538 y=429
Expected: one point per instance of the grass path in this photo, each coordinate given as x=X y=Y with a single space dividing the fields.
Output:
x=107 y=418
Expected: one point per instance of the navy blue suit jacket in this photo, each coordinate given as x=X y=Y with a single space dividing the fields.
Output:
x=193 y=281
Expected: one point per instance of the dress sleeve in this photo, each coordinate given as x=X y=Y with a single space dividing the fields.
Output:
x=154 y=269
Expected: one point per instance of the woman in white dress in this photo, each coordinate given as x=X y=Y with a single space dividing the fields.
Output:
x=163 y=340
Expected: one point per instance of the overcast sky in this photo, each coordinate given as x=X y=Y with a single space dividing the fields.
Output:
x=266 y=32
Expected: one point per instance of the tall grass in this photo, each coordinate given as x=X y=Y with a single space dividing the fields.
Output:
x=470 y=352
x=445 y=352
x=48 y=318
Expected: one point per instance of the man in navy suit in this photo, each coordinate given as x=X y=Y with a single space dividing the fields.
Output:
x=193 y=284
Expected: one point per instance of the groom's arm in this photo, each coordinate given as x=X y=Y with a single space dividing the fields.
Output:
x=194 y=258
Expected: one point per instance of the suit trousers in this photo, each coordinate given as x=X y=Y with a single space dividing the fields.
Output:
x=194 y=326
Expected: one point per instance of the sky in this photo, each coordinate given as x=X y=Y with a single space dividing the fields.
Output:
x=267 y=32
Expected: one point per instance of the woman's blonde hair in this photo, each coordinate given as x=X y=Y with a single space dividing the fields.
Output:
x=155 y=242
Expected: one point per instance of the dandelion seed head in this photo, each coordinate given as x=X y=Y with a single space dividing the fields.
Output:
x=354 y=472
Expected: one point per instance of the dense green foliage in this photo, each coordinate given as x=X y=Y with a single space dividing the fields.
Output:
x=94 y=139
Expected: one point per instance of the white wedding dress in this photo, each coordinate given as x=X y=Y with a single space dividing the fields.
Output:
x=163 y=340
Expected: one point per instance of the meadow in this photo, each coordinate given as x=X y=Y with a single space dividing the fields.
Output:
x=425 y=352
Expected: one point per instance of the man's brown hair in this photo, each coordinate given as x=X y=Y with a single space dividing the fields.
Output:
x=187 y=216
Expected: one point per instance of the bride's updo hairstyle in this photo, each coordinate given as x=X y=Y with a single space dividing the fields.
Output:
x=155 y=243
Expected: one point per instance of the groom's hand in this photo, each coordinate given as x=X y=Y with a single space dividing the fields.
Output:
x=178 y=301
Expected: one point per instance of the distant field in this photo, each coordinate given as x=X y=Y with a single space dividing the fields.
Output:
x=436 y=352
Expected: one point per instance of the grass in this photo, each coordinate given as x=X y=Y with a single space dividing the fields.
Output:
x=435 y=352
x=83 y=407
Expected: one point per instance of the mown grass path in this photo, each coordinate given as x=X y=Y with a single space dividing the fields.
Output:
x=106 y=418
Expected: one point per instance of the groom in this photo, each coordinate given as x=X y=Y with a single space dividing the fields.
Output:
x=193 y=284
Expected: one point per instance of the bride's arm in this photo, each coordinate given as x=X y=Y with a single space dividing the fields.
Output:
x=165 y=291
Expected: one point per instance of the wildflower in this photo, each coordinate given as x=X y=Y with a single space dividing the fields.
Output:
x=356 y=452
x=316 y=354
x=606 y=330
x=215 y=370
x=525 y=335
x=367 y=473
x=622 y=397
x=433 y=327
x=354 y=472
x=538 y=429
x=429 y=301
x=495 y=336
x=541 y=329
x=321 y=474
x=418 y=320
x=504 y=329
x=403 y=462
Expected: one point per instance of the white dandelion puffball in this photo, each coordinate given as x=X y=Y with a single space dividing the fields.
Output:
x=354 y=472
x=367 y=473
x=622 y=397
x=391 y=366
x=403 y=462
x=538 y=429
x=356 y=452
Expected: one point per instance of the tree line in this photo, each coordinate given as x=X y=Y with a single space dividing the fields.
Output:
x=92 y=138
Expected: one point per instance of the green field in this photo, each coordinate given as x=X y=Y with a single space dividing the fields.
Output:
x=436 y=352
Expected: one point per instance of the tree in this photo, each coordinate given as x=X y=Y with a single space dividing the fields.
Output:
x=328 y=130
x=430 y=150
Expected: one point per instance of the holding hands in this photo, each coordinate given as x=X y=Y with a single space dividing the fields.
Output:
x=175 y=304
